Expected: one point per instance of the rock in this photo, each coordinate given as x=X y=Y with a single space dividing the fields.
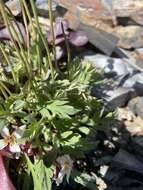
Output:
x=82 y=15
x=139 y=52
x=124 y=159
x=111 y=66
x=102 y=15
x=125 y=114
x=138 y=144
x=43 y=8
x=136 y=105
x=119 y=97
x=130 y=36
x=135 y=127
x=138 y=17
x=114 y=98
x=19 y=29
x=103 y=40
x=102 y=9
x=136 y=82
x=138 y=55
x=14 y=6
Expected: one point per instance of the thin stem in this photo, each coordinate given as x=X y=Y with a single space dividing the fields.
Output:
x=3 y=92
x=42 y=37
x=53 y=34
x=6 y=89
x=67 y=47
x=6 y=21
x=25 y=9
x=8 y=62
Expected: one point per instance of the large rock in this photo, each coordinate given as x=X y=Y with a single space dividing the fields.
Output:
x=137 y=142
x=111 y=66
x=130 y=36
x=102 y=14
x=104 y=9
x=136 y=82
x=128 y=161
x=113 y=98
x=136 y=106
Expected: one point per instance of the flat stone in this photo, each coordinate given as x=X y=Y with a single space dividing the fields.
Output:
x=119 y=97
x=135 y=82
x=14 y=6
x=124 y=159
x=111 y=66
x=138 y=144
x=136 y=106
x=130 y=36
x=102 y=9
x=113 y=97
x=84 y=15
x=102 y=15
x=102 y=39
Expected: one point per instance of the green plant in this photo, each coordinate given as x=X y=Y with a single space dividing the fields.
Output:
x=58 y=112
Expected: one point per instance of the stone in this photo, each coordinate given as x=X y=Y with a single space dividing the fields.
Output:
x=135 y=126
x=124 y=159
x=102 y=9
x=130 y=36
x=138 y=17
x=102 y=15
x=82 y=15
x=110 y=66
x=139 y=52
x=14 y=6
x=19 y=29
x=135 y=82
x=113 y=98
x=137 y=142
x=125 y=114
x=119 y=97
x=136 y=106
x=104 y=41
x=43 y=8
x=138 y=56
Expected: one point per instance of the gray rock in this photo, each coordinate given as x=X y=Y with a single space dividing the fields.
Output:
x=14 y=6
x=130 y=36
x=138 y=144
x=136 y=82
x=139 y=51
x=114 y=97
x=124 y=159
x=119 y=97
x=111 y=66
x=42 y=6
x=136 y=106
